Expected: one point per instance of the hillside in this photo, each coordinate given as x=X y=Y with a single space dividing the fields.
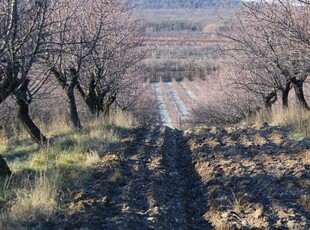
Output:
x=164 y=4
x=203 y=178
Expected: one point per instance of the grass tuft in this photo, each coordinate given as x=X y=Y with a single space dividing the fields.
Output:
x=35 y=201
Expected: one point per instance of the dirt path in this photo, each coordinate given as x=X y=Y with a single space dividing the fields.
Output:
x=192 y=196
x=163 y=192
x=149 y=183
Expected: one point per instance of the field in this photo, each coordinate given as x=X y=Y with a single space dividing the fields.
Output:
x=196 y=20
x=177 y=99
x=182 y=61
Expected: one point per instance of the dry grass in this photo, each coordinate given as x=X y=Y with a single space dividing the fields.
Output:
x=121 y=119
x=296 y=118
x=66 y=163
x=35 y=201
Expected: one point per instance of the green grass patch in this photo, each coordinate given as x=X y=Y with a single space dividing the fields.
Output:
x=66 y=163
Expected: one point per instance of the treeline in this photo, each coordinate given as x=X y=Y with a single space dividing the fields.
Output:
x=167 y=4
x=267 y=62
x=269 y=44
x=89 y=49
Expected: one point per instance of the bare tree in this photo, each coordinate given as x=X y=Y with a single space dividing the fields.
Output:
x=22 y=39
x=114 y=59
x=94 y=46
x=267 y=43
x=70 y=46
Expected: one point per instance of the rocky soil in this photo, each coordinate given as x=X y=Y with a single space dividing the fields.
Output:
x=256 y=177
x=242 y=177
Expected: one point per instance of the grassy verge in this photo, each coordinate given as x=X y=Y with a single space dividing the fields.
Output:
x=40 y=175
x=295 y=118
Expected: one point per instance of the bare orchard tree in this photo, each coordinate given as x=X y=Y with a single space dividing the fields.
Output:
x=94 y=46
x=265 y=43
x=22 y=42
x=73 y=41
x=115 y=57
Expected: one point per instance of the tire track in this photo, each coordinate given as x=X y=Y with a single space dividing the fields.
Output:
x=193 y=197
x=164 y=114
x=188 y=92
x=171 y=193
x=183 y=116
x=177 y=100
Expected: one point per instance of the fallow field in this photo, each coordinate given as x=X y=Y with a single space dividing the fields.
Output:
x=183 y=59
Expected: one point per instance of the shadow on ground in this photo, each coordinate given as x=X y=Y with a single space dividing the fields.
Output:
x=256 y=177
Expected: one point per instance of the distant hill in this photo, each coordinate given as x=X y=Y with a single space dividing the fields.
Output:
x=172 y=4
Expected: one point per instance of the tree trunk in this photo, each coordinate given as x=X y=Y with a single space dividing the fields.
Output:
x=68 y=81
x=23 y=115
x=93 y=98
x=92 y=103
x=270 y=99
x=108 y=104
x=9 y=81
x=89 y=97
x=72 y=108
x=298 y=87
x=4 y=169
x=285 y=93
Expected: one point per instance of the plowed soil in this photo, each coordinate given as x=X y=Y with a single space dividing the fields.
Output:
x=241 y=177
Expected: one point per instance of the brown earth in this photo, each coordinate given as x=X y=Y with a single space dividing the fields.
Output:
x=242 y=177
x=256 y=177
